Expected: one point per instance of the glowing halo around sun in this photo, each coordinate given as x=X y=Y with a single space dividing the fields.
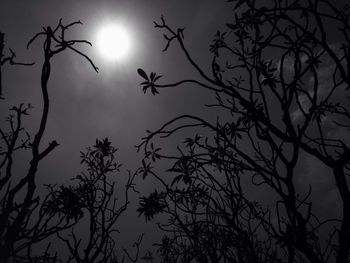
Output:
x=113 y=42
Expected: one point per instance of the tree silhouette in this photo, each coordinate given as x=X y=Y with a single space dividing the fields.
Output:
x=31 y=221
x=93 y=199
x=20 y=202
x=281 y=96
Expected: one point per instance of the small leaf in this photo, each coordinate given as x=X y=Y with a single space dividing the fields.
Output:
x=154 y=90
x=156 y=78
x=142 y=73
x=152 y=76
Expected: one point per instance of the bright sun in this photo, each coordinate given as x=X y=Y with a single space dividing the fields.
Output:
x=113 y=42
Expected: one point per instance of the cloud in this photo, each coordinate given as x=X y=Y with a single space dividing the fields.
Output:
x=313 y=172
x=327 y=77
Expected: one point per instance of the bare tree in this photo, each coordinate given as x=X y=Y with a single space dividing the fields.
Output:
x=20 y=202
x=281 y=89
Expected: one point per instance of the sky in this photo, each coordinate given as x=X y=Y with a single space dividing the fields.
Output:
x=109 y=103
x=86 y=105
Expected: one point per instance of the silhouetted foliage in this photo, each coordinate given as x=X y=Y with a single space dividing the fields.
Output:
x=94 y=199
x=29 y=218
x=281 y=89
x=20 y=203
x=151 y=205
